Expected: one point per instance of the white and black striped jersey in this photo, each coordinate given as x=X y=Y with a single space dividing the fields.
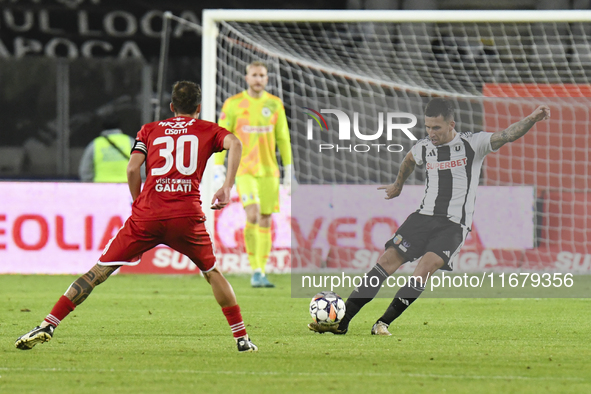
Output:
x=452 y=174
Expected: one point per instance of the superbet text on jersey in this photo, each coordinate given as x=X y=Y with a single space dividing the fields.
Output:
x=177 y=150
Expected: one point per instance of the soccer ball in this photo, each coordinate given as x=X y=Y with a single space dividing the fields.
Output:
x=327 y=308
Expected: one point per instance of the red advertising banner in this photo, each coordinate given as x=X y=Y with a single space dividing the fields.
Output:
x=62 y=228
x=58 y=228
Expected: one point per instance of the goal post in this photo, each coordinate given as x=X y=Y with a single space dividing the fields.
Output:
x=495 y=65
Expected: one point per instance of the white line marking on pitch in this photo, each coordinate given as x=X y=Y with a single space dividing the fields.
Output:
x=278 y=373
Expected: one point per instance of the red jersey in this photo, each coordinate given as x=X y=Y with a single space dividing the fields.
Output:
x=177 y=150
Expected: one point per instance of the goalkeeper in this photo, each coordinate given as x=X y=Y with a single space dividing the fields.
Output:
x=258 y=119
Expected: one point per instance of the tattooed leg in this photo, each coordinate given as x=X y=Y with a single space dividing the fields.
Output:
x=76 y=294
x=83 y=286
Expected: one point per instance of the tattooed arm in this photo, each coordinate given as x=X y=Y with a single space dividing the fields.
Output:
x=518 y=130
x=406 y=168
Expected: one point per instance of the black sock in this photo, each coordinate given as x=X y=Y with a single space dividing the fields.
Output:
x=363 y=294
x=405 y=296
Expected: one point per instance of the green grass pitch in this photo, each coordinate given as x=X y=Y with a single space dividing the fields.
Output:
x=166 y=334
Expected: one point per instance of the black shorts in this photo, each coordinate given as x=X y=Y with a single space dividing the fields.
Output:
x=420 y=234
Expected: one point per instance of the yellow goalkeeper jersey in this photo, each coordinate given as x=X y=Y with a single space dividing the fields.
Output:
x=261 y=126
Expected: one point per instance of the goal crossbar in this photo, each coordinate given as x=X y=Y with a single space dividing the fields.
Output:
x=398 y=16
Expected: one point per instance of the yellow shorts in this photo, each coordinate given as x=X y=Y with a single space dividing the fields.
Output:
x=261 y=191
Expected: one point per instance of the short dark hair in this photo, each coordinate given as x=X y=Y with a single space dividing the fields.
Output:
x=186 y=96
x=440 y=106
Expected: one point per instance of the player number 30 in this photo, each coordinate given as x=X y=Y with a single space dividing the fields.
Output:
x=168 y=149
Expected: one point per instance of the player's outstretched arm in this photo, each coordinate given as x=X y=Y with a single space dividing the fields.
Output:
x=519 y=129
x=134 y=174
x=406 y=168
x=234 y=147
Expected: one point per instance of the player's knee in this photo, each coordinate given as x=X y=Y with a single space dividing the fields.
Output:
x=390 y=260
x=98 y=274
x=252 y=213
x=209 y=274
x=265 y=220
x=428 y=264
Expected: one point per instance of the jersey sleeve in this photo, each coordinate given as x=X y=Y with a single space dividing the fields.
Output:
x=218 y=140
x=282 y=137
x=481 y=143
x=226 y=116
x=140 y=145
x=417 y=152
x=225 y=122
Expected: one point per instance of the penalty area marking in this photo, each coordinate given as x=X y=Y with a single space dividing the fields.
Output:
x=281 y=373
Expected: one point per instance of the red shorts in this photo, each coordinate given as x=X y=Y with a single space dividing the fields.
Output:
x=186 y=235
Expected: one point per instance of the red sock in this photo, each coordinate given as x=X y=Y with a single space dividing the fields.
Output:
x=60 y=310
x=234 y=318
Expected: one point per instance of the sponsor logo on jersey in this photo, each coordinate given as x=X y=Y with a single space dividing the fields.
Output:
x=405 y=243
x=173 y=185
x=431 y=153
x=258 y=129
x=177 y=124
x=444 y=165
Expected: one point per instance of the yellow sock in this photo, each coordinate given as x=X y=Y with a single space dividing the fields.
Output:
x=264 y=246
x=251 y=235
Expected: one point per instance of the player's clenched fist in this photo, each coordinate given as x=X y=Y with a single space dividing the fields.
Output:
x=392 y=190
x=540 y=113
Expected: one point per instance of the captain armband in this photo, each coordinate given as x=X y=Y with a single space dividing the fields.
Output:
x=139 y=146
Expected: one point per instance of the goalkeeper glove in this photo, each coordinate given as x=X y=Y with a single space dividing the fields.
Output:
x=219 y=176
x=289 y=180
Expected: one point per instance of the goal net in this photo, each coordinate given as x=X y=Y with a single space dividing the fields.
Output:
x=379 y=67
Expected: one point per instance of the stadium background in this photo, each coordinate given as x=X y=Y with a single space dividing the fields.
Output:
x=67 y=65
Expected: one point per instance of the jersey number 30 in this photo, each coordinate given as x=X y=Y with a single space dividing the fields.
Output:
x=166 y=152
